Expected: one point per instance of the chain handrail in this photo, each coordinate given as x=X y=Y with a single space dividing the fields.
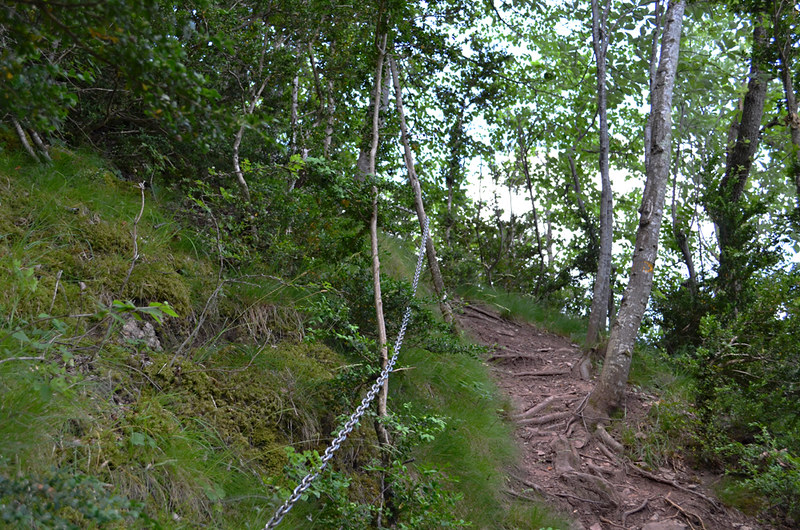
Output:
x=281 y=512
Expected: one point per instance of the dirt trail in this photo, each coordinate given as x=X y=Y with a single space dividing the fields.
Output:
x=585 y=476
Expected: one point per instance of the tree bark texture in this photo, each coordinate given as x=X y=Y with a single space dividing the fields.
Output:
x=602 y=287
x=430 y=250
x=653 y=69
x=610 y=390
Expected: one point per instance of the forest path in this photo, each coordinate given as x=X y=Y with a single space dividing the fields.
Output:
x=589 y=479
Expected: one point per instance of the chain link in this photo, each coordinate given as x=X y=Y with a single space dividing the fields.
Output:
x=356 y=416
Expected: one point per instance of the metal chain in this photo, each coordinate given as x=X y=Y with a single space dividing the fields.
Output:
x=356 y=416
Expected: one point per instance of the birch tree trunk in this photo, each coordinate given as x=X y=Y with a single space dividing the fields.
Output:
x=433 y=264
x=610 y=390
x=602 y=285
x=367 y=167
x=254 y=94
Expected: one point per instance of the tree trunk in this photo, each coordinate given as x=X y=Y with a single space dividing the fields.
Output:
x=591 y=231
x=653 y=68
x=433 y=264
x=523 y=157
x=677 y=230
x=367 y=158
x=295 y=97
x=253 y=96
x=597 y=315
x=329 y=109
x=781 y=26
x=726 y=212
x=610 y=390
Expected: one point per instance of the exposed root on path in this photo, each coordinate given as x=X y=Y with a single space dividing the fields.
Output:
x=586 y=474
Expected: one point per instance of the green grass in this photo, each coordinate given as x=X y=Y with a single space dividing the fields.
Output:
x=528 y=309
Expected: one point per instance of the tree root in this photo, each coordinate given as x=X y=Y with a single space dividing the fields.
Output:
x=535 y=409
x=686 y=513
x=528 y=484
x=547 y=418
x=634 y=510
x=485 y=314
x=672 y=483
x=609 y=440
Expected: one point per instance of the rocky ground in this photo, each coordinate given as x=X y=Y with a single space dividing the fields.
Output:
x=587 y=475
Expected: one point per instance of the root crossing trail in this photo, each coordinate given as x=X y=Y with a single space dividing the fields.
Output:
x=590 y=477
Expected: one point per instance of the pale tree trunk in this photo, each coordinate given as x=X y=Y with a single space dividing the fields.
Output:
x=653 y=68
x=602 y=286
x=254 y=94
x=367 y=166
x=433 y=264
x=523 y=157
x=610 y=390
x=295 y=98
x=326 y=143
x=369 y=151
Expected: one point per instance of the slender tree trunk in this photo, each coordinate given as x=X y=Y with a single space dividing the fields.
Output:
x=367 y=167
x=330 y=108
x=610 y=390
x=523 y=153
x=253 y=96
x=677 y=230
x=597 y=315
x=295 y=97
x=369 y=151
x=653 y=68
x=591 y=231
x=433 y=264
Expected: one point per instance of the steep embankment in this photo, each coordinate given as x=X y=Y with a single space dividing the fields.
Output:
x=593 y=478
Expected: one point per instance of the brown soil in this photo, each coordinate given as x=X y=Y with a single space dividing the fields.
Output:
x=589 y=479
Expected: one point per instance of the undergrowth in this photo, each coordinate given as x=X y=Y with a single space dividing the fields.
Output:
x=193 y=382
